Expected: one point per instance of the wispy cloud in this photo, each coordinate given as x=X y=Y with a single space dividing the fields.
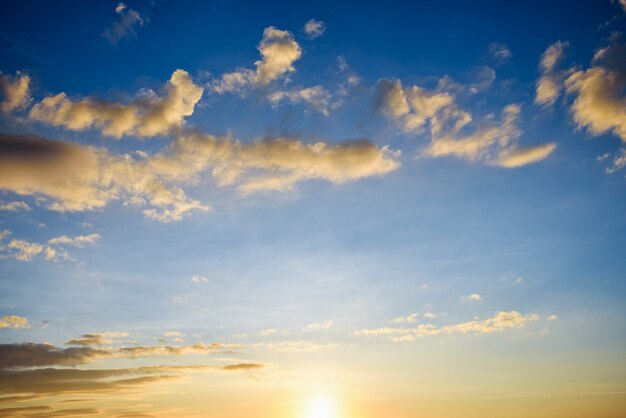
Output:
x=314 y=28
x=124 y=26
x=550 y=83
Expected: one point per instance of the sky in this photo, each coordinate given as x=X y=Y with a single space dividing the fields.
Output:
x=313 y=210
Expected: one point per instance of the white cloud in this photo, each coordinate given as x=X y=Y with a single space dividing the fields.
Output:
x=316 y=97
x=319 y=326
x=124 y=26
x=147 y=116
x=14 y=206
x=79 y=241
x=408 y=318
x=473 y=297
x=199 y=279
x=314 y=28
x=619 y=162
x=15 y=92
x=14 y=322
x=500 y=322
x=550 y=83
x=266 y=332
x=294 y=346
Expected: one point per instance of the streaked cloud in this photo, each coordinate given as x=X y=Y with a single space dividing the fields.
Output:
x=14 y=91
x=500 y=322
x=318 y=326
x=79 y=241
x=13 y=322
x=413 y=317
x=76 y=178
x=499 y=51
x=99 y=338
x=146 y=116
x=550 y=83
x=14 y=206
x=124 y=26
x=316 y=97
x=24 y=250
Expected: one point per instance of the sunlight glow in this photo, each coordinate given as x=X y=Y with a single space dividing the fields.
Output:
x=320 y=408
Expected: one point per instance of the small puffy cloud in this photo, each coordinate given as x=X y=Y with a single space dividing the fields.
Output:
x=553 y=318
x=278 y=51
x=473 y=297
x=79 y=241
x=430 y=315
x=14 y=206
x=319 y=326
x=600 y=103
x=124 y=26
x=316 y=97
x=23 y=250
x=405 y=318
x=550 y=83
x=499 y=51
x=199 y=279
x=13 y=322
x=267 y=331
x=314 y=28
x=14 y=91
x=147 y=116
x=500 y=322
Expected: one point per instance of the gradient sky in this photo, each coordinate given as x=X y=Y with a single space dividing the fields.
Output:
x=219 y=209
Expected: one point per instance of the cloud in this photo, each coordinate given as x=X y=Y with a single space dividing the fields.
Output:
x=40 y=355
x=267 y=331
x=14 y=206
x=408 y=318
x=199 y=279
x=550 y=82
x=80 y=241
x=124 y=26
x=15 y=91
x=13 y=322
x=166 y=350
x=294 y=346
x=319 y=326
x=600 y=103
x=499 y=52
x=500 y=322
x=99 y=338
x=77 y=178
x=619 y=162
x=314 y=28
x=278 y=53
x=492 y=142
x=148 y=115
x=317 y=97
x=473 y=297
x=23 y=250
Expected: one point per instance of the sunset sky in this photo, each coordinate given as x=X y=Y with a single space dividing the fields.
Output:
x=313 y=210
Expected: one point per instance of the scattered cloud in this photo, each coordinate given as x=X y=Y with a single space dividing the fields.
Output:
x=147 y=116
x=267 y=331
x=278 y=51
x=413 y=317
x=294 y=346
x=318 y=326
x=23 y=250
x=80 y=241
x=199 y=279
x=600 y=103
x=14 y=206
x=500 y=322
x=550 y=83
x=317 y=97
x=314 y=28
x=124 y=26
x=100 y=338
x=473 y=297
x=500 y=52
x=15 y=92
x=13 y=322
x=492 y=142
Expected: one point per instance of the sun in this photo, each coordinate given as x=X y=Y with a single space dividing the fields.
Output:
x=320 y=408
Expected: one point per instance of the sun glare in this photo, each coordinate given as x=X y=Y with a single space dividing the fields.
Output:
x=320 y=408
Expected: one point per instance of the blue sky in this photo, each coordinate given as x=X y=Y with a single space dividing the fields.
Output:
x=427 y=198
